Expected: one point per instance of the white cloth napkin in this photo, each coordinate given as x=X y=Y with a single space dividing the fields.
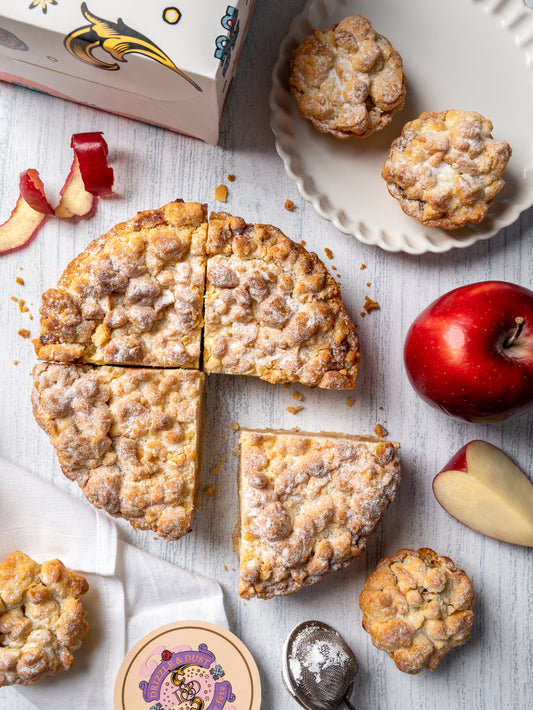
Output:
x=131 y=592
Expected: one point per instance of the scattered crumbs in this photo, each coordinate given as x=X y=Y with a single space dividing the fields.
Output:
x=363 y=266
x=15 y=362
x=219 y=465
x=287 y=385
x=362 y=314
x=19 y=281
x=231 y=177
x=14 y=298
x=225 y=568
x=289 y=205
x=235 y=452
x=368 y=283
x=298 y=396
x=329 y=253
x=303 y=242
x=379 y=430
x=21 y=268
x=349 y=402
x=370 y=305
x=233 y=569
x=234 y=426
x=210 y=491
x=293 y=410
x=334 y=267
x=31 y=317
x=22 y=307
x=381 y=408
x=221 y=193
x=24 y=333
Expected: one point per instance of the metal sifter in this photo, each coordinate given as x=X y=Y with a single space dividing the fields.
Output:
x=318 y=667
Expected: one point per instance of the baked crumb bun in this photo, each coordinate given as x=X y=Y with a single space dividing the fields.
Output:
x=416 y=607
x=347 y=79
x=445 y=168
x=42 y=620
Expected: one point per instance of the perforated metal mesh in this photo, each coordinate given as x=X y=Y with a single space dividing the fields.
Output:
x=321 y=666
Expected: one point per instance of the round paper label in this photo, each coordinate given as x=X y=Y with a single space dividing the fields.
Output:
x=188 y=665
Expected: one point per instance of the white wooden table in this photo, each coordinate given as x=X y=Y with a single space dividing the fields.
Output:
x=153 y=166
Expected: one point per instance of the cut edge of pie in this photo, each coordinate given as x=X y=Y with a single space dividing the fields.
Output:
x=308 y=504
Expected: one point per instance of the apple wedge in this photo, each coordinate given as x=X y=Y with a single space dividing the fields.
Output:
x=482 y=488
x=21 y=227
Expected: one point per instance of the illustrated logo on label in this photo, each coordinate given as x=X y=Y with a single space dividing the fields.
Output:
x=186 y=679
x=117 y=40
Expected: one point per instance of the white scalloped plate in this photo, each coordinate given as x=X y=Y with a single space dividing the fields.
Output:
x=474 y=55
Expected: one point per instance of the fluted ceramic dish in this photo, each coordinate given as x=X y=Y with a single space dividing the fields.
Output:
x=472 y=55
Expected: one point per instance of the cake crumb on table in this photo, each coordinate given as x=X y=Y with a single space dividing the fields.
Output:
x=298 y=396
x=363 y=266
x=15 y=362
x=370 y=305
x=329 y=253
x=210 y=491
x=219 y=465
x=234 y=426
x=293 y=410
x=24 y=333
x=231 y=177
x=19 y=281
x=349 y=402
x=289 y=205
x=379 y=430
x=221 y=193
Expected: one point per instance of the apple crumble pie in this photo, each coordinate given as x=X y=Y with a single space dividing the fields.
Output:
x=308 y=505
x=130 y=438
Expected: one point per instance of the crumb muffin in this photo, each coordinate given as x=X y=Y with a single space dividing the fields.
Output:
x=347 y=79
x=445 y=168
x=42 y=620
x=416 y=607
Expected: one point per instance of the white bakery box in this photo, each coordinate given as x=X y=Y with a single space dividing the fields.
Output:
x=163 y=62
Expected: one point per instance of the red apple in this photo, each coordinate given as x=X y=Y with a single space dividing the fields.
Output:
x=482 y=488
x=470 y=352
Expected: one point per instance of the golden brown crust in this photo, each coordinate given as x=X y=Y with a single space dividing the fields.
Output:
x=445 y=169
x=133 y=296
x=42 y=620
x=273 y=310
x=130 y=438
x=309 y=503
x=347 y=79
x=417 y=606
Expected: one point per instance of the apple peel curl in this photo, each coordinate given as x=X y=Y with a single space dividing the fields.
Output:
x=90 y=176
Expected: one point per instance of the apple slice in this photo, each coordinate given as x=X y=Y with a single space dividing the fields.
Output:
x=91 y=151
x=482 y=488
x=21 y=227
x=75 y=201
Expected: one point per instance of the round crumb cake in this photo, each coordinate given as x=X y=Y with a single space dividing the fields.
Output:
x=42 y=620
x=445 y=168
x=416 y=607
x=348 y=80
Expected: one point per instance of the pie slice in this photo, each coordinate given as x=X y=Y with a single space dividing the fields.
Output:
x=130 y=438
x=309 y=503
x=272 y=309
x=134 y=296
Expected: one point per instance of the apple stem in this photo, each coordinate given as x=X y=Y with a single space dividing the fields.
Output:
x=508 y=342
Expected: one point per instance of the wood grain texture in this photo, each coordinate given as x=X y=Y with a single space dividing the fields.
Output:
x=153 y=166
